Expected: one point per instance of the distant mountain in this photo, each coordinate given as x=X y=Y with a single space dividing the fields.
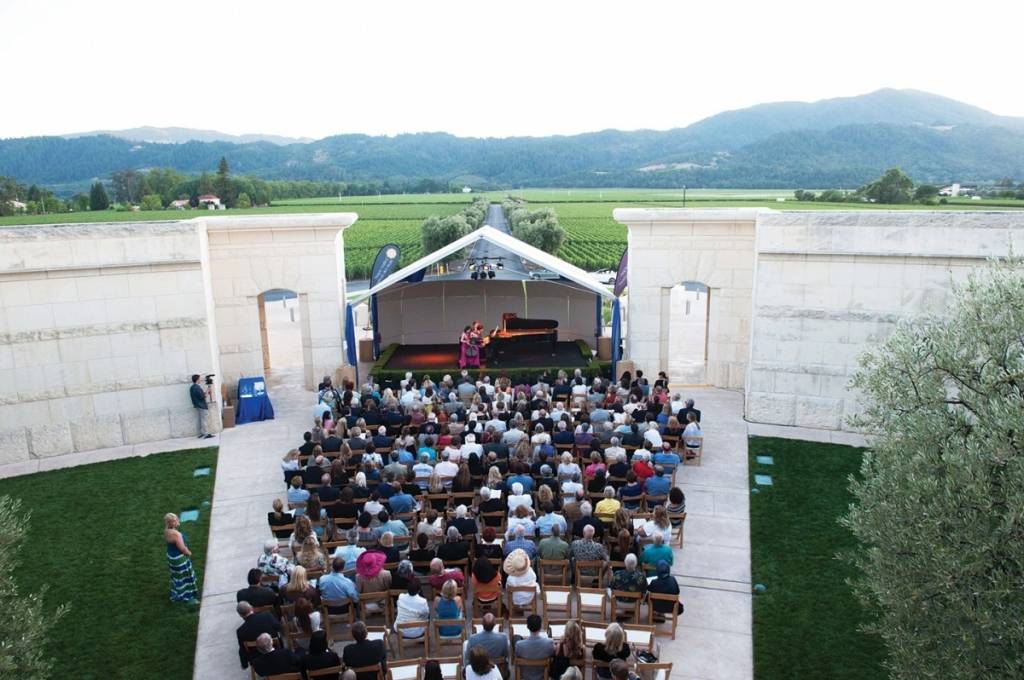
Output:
x=840 y=142
x=179 y=135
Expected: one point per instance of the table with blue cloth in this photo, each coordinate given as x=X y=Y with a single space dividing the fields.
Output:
x=253 y=401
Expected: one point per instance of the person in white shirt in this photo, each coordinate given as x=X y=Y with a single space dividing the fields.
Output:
x=540 y=437
x=488 y=387
x=453 y=452
x=412 y=607
x=691 y=431
x=558 y=412
x=446 y=468
x=517 y=498
x=677 y=403
x=572 y=486
x=567 y=469
x=471 y=447
x=612 y=451
x=497 y=423
x=653 y=435
x=512 y=437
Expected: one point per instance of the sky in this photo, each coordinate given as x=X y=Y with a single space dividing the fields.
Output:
x=486 y=68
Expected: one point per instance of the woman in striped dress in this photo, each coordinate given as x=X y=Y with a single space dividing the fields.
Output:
x=183 y=578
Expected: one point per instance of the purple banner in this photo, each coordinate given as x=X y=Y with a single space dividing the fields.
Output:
x=620 y=277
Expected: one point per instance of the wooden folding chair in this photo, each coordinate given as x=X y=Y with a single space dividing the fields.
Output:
x=543 y=567
x=557 y=599
x=482 y=606
x=382 y=599
x=284 y=676
x=693 y=452
x=640 y=637
x=678 y=529
x=331 y=622
x=596 y=578
x=591 y=601
x=654 y=671
x=441 y=640
x=403 y=641
x=451 y=667
x=531 y=607
x=375 y=668
x=674 y=614
x=407 y=669
x=542 y=664
x=627 y=602
x=651 y=502
x=332 y=673
x=517 y=627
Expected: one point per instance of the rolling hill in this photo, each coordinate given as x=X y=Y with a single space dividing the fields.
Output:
x=835 y=142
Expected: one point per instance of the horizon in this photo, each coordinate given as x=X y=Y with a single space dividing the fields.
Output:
x=548 y=69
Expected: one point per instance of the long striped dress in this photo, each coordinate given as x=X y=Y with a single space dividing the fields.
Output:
x=183 y=578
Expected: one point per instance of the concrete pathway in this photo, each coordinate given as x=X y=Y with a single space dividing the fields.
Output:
x=713 y=640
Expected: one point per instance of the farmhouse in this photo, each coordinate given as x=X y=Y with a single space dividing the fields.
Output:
x=210 y=201
x=180 y=204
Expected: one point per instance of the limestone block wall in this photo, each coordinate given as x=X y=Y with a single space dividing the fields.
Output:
x=831 y=284
x=668 y=246
x=253 y=254
x=100 y=327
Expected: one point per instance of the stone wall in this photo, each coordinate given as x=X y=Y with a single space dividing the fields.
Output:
x=792 y=310
x=831 y=284
x=100 y=326
x=669 y=246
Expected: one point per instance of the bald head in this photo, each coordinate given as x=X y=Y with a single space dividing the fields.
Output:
x=244 y=609
x=436 y=565
x=489 y=621
x=265 y=643
x=588 y=531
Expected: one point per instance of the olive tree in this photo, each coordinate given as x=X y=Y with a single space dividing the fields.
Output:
x=939 y=510
x=25 y=622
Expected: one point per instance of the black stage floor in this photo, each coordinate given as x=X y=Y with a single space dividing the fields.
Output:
x=445 y=357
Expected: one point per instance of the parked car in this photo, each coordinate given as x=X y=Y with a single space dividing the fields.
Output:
x=605 y=276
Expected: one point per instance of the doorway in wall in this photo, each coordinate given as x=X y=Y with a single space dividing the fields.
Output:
x=689 y=304
x=282 y=330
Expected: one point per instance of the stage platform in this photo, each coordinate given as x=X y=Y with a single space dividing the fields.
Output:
x=446 y=358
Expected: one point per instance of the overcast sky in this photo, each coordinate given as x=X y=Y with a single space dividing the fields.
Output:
x=482 y=68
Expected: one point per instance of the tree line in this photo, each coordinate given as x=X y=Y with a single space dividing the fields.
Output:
x=438 y=231
x=539 y=228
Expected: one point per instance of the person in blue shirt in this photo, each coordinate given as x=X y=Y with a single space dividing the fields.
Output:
x=296 y=494
x=406 y=457
x=659 y=484
x=337 y=586
x=521 y=476
x=400 y=501
x=428 y=450
x=550 y=519
x=666 y=457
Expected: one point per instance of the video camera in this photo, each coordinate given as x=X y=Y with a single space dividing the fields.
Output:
x=209 y=378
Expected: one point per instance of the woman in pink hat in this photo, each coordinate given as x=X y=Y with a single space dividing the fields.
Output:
x=371 y=576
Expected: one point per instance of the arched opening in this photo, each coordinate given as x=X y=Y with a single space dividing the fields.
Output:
x=284 y=336
x=689 y=312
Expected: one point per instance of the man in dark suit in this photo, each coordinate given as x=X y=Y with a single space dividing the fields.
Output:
x=307 y=444
x=269 y=661
x=327 y=492
x=683 y=412
x=253 y=625
x=499 y=450
x=331 y=444
x=363 y=652
x=313 y=472
x=255 y=594
x=381 y=440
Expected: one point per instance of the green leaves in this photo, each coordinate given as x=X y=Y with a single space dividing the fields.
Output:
x=941 y=505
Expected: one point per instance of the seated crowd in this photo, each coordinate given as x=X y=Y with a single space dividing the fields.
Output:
x=427 y=503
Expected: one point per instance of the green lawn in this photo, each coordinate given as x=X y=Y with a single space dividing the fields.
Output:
x=806 y=622
x=95 y=538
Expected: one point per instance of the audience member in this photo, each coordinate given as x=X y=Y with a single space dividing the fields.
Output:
x=269 y=660
x=363 y=653
x=254 y=624
x=412 y=606
x=535 y=647
x=255 y=594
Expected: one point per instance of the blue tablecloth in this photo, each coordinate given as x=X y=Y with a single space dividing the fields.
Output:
x=253 y=401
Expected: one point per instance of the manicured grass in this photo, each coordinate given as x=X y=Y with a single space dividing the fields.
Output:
x=806 y=622
x=95 y=538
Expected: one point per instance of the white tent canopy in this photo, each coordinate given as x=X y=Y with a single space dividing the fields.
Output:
x=503 y=240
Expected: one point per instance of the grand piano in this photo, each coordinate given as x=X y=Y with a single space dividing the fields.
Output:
x=521 y=336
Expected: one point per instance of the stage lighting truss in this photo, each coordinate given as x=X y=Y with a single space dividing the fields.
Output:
x=484 y=268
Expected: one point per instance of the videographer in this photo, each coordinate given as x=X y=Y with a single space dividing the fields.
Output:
x=200 y=403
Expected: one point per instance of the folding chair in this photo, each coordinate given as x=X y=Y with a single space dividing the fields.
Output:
x=693 y=452
x=375 y=668
x=531 y=606
x=284 y=676
x=516 y=627
x=557 y=598
x=383 y=601
x=681 y=517
x=531 y=663
x=332 y=673
x=482 y=606
x=654 y=671
x=478 y=625
x=597 y=577
x=408 y=669
x=410 y=641
x=651 y=502
x=561 y=565
x=591 y=601
x=442 y=640
x=451 y=667
x=624 y=601
x=330 y=621
x=674 y=614
x=641 y=637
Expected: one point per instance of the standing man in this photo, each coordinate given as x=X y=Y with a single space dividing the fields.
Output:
x=198 y=395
